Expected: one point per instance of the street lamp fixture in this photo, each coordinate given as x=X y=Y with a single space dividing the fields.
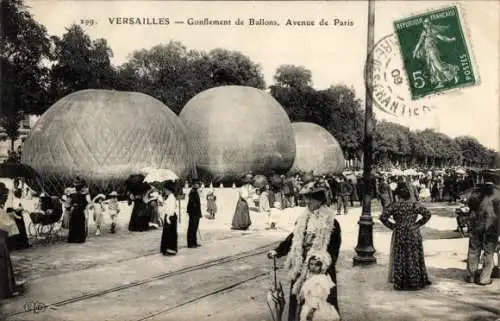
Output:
x=365 y=250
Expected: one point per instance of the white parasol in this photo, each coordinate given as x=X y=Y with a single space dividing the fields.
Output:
x=395 y=172
x=159 y=175
x=410 y=172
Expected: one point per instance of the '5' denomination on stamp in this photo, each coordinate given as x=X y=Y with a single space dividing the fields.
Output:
x=435 y=53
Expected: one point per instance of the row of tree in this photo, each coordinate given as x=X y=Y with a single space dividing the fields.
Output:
x=37 y=70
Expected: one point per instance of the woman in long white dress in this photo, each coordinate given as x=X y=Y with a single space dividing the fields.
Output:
x=168 y=210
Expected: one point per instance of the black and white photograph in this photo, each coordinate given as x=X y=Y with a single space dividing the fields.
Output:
x=250 y=160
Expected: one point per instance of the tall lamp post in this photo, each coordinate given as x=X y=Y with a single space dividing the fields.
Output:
x=365 y=250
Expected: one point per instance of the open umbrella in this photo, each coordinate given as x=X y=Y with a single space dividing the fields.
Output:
x=13 y=170
x=276 y=297
x=159 y=175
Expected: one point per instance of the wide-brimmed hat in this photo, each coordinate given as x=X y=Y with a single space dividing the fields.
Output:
x=154 y=196
x=69 y=190
x=169 y=185
x=98 y=197
x=312 y=188
x=248 y=179
x=113 y=194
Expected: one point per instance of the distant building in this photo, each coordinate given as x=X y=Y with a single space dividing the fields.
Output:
x=25 y=127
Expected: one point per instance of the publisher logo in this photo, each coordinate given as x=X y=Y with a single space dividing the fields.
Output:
x=35 y=307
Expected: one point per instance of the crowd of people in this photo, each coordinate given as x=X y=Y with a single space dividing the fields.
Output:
x=345 y=190
x=312 y=249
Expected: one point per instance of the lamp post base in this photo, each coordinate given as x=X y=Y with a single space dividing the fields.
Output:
x=365 y=250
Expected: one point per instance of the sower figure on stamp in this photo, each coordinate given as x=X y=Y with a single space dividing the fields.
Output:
x=485 y=229
x=194 y=212
x=426 y=49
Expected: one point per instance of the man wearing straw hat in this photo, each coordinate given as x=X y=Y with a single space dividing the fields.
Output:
x=485 y=230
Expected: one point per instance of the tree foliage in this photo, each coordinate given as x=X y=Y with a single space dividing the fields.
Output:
x=80 y=63
x=337 y=108
x=339 y=111
x=25 y=44
x=174 y=74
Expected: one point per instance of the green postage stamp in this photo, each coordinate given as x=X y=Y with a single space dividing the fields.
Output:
x=435 y=52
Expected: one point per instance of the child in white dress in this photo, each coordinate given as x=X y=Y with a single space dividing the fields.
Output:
x=113 y=209
x=98 y=208
x=316 y=289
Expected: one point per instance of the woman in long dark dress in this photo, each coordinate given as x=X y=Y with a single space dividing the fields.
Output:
x=78 y=222
x=19 y=241
x=141 y=211
x=7 y=280
x=315 y=230
x=407 y=269
x=169 y=235
x=241 y=217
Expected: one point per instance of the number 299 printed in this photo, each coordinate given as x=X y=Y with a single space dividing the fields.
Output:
x=435 y=53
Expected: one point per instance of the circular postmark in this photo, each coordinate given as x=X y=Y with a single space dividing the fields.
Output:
x=389 y=87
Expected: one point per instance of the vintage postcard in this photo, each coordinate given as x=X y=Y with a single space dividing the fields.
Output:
x=249 y=160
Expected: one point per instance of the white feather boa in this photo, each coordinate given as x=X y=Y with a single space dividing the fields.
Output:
x=323 y=229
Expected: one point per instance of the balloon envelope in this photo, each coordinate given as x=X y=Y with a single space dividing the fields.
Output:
x=316 y=150
x=104 y=136
x=235 y=130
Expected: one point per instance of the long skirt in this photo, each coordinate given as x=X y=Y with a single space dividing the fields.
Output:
x=65 y=220
x=77 y=227
x=409 y=271
x=241 y=218
x=7 y=281
x=19 y=241
x=390 y=277
x=141 y=214
x=168 y=244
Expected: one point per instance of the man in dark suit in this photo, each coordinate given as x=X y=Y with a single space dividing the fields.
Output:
x=485 y=230
x=384 y=193
x=194 y=212
x=343 y=194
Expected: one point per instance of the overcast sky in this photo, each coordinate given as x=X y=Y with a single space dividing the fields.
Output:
x=334 y=54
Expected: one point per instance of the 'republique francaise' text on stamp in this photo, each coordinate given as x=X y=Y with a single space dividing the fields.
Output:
x=435 y=52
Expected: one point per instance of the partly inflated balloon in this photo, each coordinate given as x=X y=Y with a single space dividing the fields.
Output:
x=104 y=136
x=235 y=130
